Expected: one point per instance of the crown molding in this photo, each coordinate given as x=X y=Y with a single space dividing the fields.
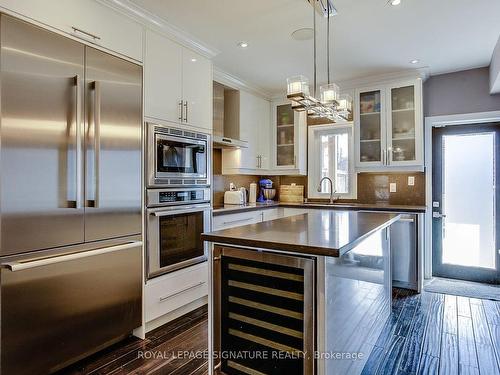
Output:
x=154 y=22
x=232 y=81
x=422 y=73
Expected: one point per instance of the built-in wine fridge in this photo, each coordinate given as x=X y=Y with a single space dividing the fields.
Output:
x=265 y=305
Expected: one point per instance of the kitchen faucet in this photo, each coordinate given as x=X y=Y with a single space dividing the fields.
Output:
x=331 y=188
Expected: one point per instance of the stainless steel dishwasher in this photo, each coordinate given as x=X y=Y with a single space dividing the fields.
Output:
x=405 y=252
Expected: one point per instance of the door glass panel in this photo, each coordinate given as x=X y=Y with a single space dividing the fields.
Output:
x=469 y=200
x=370 y=142
x=403 y=123
x=285 y=135
x=180 y=238
x=178 y=156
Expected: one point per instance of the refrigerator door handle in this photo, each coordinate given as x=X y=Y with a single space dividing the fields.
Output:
x=74 y=203
x=78 y=143
x=20 y=266
x=97 y=142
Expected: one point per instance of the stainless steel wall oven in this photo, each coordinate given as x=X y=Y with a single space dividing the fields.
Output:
x=176 y=218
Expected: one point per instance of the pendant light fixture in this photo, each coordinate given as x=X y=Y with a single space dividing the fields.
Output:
x=332 y=104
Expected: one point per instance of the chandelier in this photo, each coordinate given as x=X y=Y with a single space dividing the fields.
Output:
x=331 y=105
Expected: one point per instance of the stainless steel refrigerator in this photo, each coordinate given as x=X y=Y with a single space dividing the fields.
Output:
x=70 y=199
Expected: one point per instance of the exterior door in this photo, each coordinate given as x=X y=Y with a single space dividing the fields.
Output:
x=113 y=146
x=466 y=202
x=41 y=100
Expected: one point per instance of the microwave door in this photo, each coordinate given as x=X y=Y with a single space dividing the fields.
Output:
x=178 y=157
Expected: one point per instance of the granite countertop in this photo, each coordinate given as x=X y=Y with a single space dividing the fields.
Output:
x=322 y=232
x=226 y=209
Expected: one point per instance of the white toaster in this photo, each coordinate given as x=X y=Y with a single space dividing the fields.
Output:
x=234 y=197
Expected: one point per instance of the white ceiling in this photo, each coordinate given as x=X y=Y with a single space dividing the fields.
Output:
x=369 y=36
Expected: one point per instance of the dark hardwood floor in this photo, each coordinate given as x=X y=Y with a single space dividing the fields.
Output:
x=426 y=334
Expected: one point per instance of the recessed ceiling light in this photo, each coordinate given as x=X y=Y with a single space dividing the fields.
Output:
x=193 y=60
x=395 y=2
x=242 y=44
x=305 y=33
x=414 y=61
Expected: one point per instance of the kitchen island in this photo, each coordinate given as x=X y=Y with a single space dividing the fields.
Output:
x=299 y=295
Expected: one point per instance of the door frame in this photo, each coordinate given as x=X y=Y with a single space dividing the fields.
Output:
x=478 y=118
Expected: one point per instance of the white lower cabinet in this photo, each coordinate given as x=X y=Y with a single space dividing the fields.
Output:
x=236 y=220
x=239 y=219
x=290 y=211
x=167 y=293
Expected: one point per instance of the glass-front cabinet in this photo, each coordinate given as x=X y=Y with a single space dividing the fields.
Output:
x=371 y=120
x=289 y=136
x=389 y=126
x=285 y=136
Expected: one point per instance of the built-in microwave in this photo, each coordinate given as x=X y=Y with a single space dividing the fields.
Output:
x=177 y=157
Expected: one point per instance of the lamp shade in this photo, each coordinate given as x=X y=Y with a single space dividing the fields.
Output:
x=297 y=85
x=329 y=93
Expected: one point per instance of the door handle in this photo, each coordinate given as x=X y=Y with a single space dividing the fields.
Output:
x=186 y=111
x=238 y=221
x=164 y=298
x=76 y=30
x=20 y=266
x=97 y=142
x=181 y=112
x=75 y=203
x=437 y=215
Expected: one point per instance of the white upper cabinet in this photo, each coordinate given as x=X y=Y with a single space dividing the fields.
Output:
x=177 y=84
x=162 y=78
x=197 y=89
x=288 y=139
x=87 y=20
x=254 y=116
x=389 y=126
x=405 y=124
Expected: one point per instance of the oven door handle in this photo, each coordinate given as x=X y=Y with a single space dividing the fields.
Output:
x=179 y=210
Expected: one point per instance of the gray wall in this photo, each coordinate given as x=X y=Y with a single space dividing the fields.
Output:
x=461 y=92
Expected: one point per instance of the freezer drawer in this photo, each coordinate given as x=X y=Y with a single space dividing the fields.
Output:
x=57 y=310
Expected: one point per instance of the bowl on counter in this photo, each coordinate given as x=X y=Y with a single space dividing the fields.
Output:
x=269 y=194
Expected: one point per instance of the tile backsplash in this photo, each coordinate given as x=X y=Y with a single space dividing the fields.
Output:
x=372 y=187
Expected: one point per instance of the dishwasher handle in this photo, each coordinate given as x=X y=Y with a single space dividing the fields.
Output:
x=20 y=266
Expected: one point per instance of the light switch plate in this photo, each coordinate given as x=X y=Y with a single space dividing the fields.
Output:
x=392 y=187
x=411 y=181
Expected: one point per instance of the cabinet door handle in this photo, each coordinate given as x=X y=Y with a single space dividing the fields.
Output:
x=181 y=102
x=238 y=221
x=76 y=30
x=186 y=112
x=164 y=298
